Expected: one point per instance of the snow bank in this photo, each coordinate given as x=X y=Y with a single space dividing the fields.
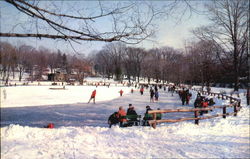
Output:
x=216 y=138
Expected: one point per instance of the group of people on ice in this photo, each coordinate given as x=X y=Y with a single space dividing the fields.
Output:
x=185 y=96
x=153 y=92
x=130 y=118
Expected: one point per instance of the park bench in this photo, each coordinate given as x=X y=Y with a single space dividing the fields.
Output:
x=148 y=117
x=135 y=120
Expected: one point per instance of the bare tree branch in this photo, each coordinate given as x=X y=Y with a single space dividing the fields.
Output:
x=127 y=31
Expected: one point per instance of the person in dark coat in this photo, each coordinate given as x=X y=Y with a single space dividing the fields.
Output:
x=156 y=95
x=198 y=94
x=188 y=96
x=147 y=116
x=211 y=102
x=183 y=96
x=152 y=93
x=156 y=88
x=158 y=115
x=197 y=102
x=132 y=113
x=147 y=109
x=113 y=119
x=131 y=110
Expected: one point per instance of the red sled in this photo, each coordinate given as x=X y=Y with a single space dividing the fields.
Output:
x=50 y=126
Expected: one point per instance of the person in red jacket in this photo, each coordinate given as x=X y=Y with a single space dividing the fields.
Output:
x=93 y=96
x=142 y=90
x=121 y=92
x=122 y=115
x=204 y=104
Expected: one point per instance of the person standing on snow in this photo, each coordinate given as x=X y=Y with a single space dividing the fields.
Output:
x=152 y=93
x=188 y=98
x=147 y=116
x=121 y=92
x=183 y=96
x=93 y=96
x=156 y=95
x=4 y=94
x=142 y=90
x=132 y=90
x=156 y=88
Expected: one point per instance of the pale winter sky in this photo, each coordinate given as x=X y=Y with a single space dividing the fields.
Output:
x=171 y=31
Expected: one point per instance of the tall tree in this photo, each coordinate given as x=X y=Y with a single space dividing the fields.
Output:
x=229 y=30
x=65 y=63
x=52 y=61
x=116 y=51
x=22 y=57
x=133 y=61
x=8 y=60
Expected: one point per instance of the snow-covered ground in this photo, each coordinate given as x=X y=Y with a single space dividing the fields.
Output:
x=81 y=129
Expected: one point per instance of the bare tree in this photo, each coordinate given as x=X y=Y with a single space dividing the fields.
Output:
x=103 y=63
x=31 y=63
x=133 y=61
x=129 y=64
x=230 y=31
x=80 y=66
x=116 y=51
x=8 y=60
x=41 y=63
x=52 y=61
x=202 y=62
x=23 y=57
x=166 y=62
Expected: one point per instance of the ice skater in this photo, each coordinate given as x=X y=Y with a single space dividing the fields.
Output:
x=121 y=92
x=4 y=94
x=152 y=93
x=93 y=96
x=142 y=90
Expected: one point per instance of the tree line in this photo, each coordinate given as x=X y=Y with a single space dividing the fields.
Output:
x=197 y=64
x=27 y=59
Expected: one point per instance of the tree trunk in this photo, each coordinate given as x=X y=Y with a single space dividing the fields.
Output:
x=13 y=72
x=20 y=75
x=148 y=80
x=7 y=76
x=236 y=72
x=236 y=82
